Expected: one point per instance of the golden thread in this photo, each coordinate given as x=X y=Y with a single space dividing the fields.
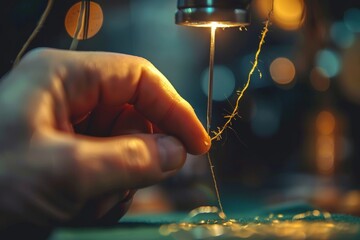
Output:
x=234 y=113
x=231 y=117
x=35 y=32
x=216 y=186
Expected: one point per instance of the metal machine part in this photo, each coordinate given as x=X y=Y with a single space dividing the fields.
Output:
x=206 y=13
x=213 y=14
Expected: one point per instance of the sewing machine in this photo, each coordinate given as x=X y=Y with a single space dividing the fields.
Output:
x=203 y=13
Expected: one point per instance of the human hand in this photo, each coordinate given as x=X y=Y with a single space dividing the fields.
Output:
x=80 y=131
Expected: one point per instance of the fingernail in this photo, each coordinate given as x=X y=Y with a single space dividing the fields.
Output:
x=172 y=153
x=207 y=142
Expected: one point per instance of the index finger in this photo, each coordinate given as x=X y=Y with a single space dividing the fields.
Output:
x=93 y=78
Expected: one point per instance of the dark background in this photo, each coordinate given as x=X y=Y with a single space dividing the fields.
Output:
x=270 y=149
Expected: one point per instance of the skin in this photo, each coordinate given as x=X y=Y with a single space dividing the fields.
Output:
x=81 y=131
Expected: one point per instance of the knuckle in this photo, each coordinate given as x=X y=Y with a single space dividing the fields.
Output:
x=41 y=59
x=66 y=173
x=143 y=61
x=145 y=64
x=140 y=164
x=36 y=54
x=137 y=156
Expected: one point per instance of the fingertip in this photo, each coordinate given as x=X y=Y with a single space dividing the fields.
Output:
x=204 y=146
x=207 y=143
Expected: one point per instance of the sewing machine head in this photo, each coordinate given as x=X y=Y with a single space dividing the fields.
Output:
x=207 y=13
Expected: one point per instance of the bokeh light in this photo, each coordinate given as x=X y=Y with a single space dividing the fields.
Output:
x=325 y=143
x=325 y=154
x=341 y=35
x=351 y=201
x=206 y=222
x=288 y=14
x=224 y=82
x=282 y=71
x=325 y=123
x=319 y=81
x=349 y=78
x=96 y=18
x=352 y=19
x=329 y=62
x=262 y=7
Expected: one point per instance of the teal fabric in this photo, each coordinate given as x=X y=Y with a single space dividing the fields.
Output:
x=146 y=227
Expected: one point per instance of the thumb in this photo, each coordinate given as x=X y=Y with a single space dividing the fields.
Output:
x=95 y=166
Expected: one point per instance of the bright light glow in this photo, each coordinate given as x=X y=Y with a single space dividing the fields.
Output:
x=282 y=71
x=215 y=24
x=95 y=20
x=288 y=14
x=341 y=35
x=329 y=62
x=224 y=82
x=352 y=19
x=319 y=80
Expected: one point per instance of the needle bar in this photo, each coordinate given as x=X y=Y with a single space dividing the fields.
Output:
x=211 y=79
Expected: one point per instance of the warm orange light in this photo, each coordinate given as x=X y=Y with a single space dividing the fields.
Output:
x=288 y=14
x=219 y=24
x=95 y=20
x=325 y=154
x=352 y=201
x=325 y=143
x=282 y=71
x=327 y=165
x=325 y=123
x=263 y=7
x=318 y=80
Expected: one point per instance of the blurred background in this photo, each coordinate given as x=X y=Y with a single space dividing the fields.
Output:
x=297 y=136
